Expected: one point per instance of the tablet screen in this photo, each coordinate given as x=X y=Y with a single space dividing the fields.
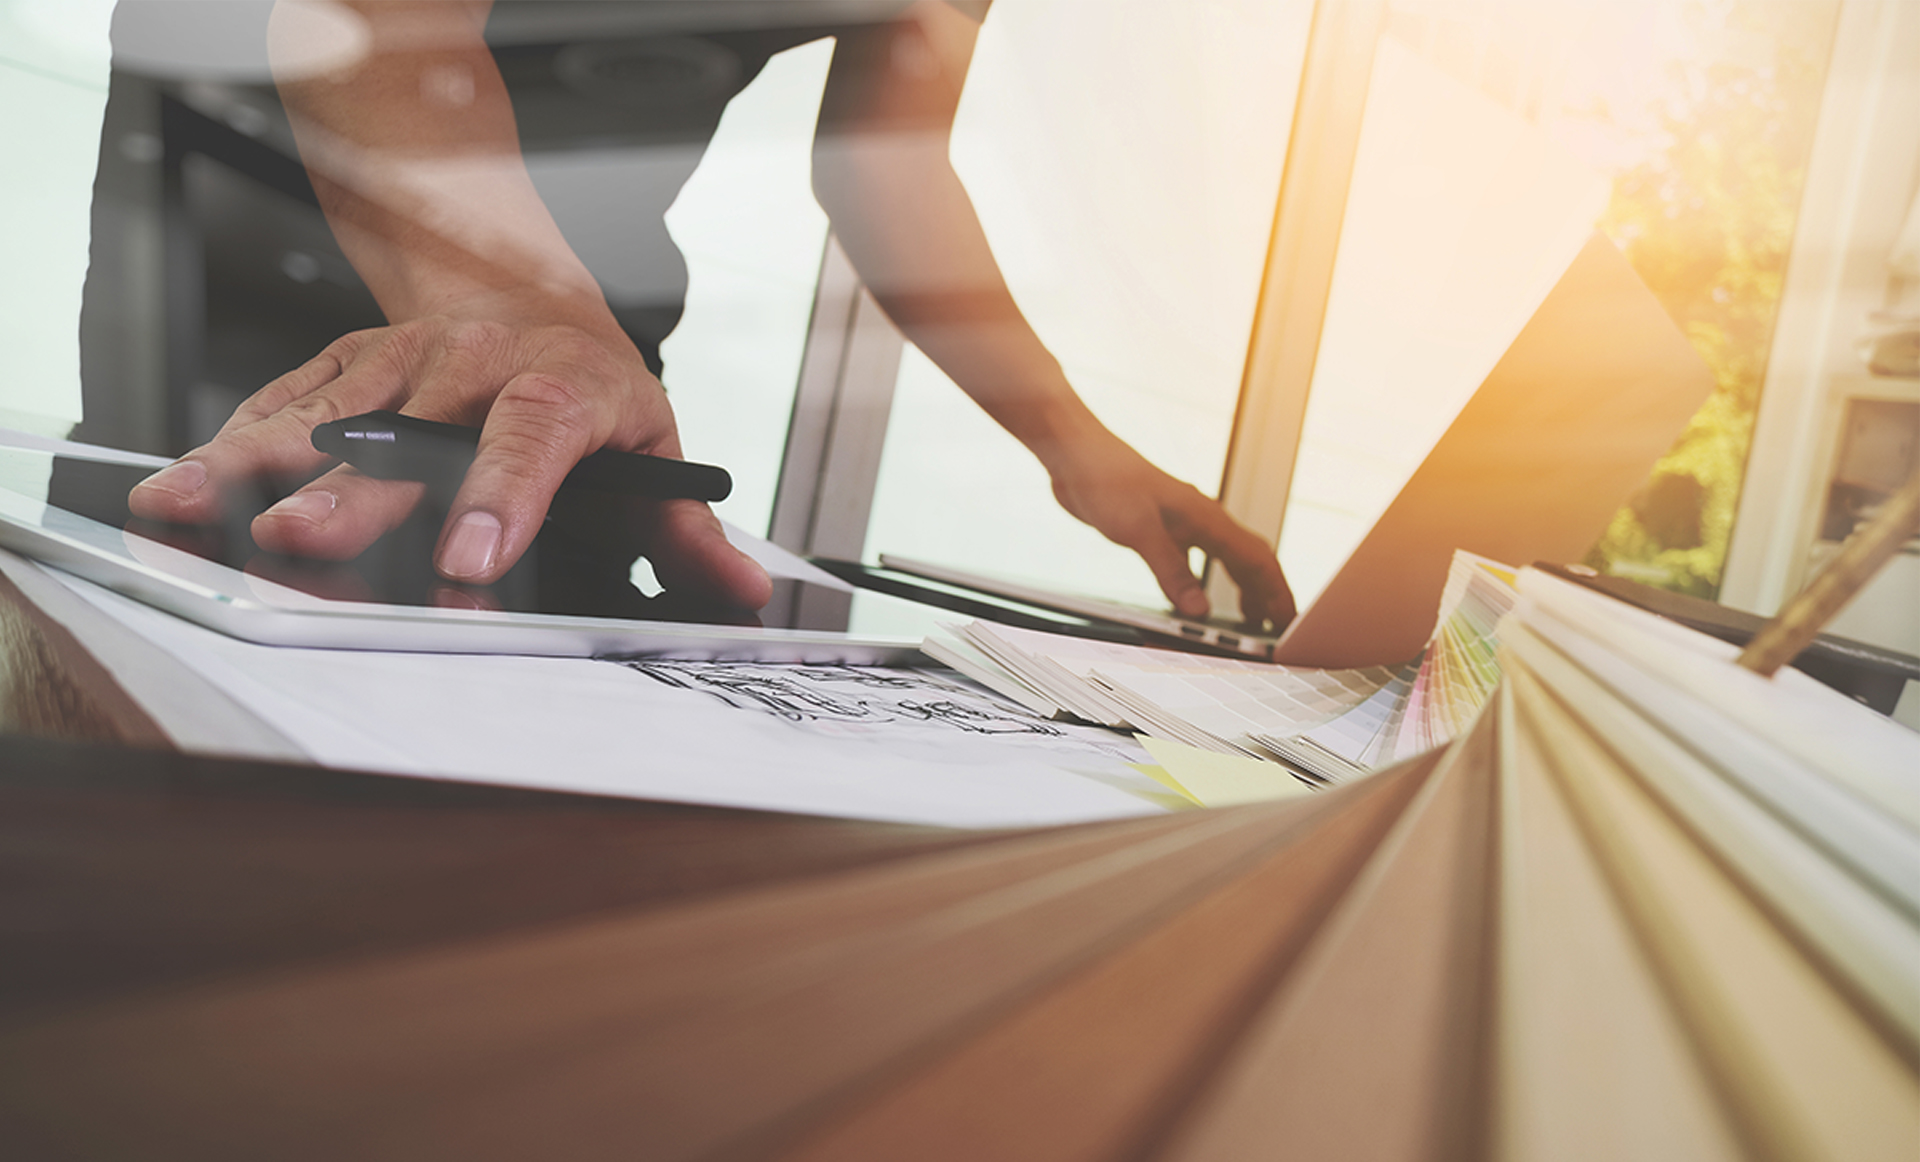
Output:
x=581 y=564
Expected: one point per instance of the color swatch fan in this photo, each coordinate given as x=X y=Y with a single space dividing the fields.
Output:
x=1327 y=726
x=1428 y=707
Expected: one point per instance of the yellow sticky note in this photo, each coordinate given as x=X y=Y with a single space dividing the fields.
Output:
x=1220 y=780
x=1159 y=775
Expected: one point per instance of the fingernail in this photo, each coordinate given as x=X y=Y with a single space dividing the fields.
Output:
x=182 y=478
x=314 y=506
x=471 y=546
x=447 y=597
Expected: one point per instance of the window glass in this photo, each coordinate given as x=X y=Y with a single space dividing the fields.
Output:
x=751 y=234
x=1692 y=124
x=53 y=86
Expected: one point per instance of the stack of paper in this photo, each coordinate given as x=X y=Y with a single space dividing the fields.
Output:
x=905 y=745
x=1328 y=725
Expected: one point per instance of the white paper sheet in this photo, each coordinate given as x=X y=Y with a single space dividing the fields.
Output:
x=778 y=562
x=936 y=752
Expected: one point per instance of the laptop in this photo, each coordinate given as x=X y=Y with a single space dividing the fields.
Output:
x=1594 y=389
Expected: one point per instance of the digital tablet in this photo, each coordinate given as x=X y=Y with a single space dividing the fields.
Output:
x=570 y=596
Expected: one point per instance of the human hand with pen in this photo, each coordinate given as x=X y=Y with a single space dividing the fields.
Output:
x=546 y=382
x=495 y=324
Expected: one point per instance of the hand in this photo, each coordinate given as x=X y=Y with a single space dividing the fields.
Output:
x=555 y=383
x=1101 y=480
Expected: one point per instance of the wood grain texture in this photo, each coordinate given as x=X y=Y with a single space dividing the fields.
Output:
x=1098 y=1067
x=51 y=687
x=1860 y=559
x=1593 y=1062
x=688 y=1029
x=125 y=871
x=1521 y=947
x=1372 y=1048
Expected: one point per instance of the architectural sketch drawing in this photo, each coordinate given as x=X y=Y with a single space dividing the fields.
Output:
x=859 y=695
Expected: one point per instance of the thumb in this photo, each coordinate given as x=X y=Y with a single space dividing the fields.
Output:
x=691 y=554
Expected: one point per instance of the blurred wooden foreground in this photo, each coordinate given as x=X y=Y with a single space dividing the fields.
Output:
x=219 y=959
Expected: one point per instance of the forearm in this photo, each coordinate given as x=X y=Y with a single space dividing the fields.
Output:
x=933 y=273
x=881 y=171
x=415 y=156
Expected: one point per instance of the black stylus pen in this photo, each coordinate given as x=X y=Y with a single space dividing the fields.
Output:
x=396 y=447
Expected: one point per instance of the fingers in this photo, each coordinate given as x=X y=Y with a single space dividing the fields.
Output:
x=269 y=436
x=1249 y=560
x=550 y=395
x=1168 y=560
x=344 y=512
x=540 y=427
x=691 y=554
x=337 y=516
x=309 y=377
x=1265 y=596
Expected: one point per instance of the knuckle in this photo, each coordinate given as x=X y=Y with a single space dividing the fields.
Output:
x=354 y=346
x=289 y=387
x=353 y=342
x=538 y=428
x=401 y=346
x=259 y=405
x=312 y=410
x=557 y=398
x=575 y=346
x=366 y=348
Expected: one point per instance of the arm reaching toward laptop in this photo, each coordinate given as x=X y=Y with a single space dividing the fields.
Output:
x=881 y=170
x=495 y=322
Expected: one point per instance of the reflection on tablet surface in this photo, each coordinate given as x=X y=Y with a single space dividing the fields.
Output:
x=564 y=572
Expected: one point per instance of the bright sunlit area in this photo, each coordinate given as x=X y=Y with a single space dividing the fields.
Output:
x=1461 y=217
x=1498 y=135
x=1124 y=159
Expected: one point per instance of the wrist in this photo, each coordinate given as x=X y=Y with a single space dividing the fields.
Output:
x=525 y=305
x=1064 y=434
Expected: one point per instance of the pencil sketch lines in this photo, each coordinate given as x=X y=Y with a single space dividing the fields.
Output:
x=847 y=695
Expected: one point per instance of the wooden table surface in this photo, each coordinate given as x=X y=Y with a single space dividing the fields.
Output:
x=211 y=958
x=129 y=869
x=126 y=865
